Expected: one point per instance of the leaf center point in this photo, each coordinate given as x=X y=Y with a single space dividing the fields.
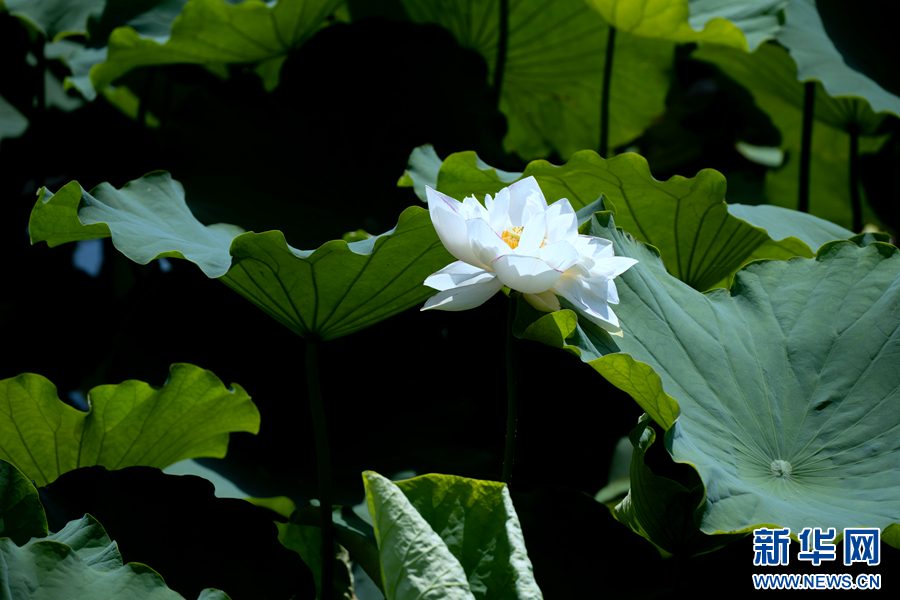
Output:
x=781 y=468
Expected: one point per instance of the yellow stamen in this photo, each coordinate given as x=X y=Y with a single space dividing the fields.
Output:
x=511 y=236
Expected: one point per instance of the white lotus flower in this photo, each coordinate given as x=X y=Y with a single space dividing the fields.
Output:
x=516 y=240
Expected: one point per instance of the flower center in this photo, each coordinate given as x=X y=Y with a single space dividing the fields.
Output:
x=511 y=236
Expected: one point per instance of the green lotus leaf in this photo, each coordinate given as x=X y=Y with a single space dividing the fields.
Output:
x=55 y=18
x=129 y=424
x=741 y=24
x=661 y=509
x=150 y=20
x=80 y=561
x=770 y=75
x=213 y=32
x=553 y=74
x=791 y=233
x=442 y=536
x=21 y=513
x=804 y=35
x=325 y=294
x=785 y=389
x=702 y=240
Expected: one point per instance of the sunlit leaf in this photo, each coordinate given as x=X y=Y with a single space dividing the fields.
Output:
x=553 y=74
x=210 y=32
x=817 y=58
x=442 y=536
x=80 y=561
x=131 y=423
x=771 y=77
x=325 y=293
x=21 y=514
x=737 y=23
x=785 y=389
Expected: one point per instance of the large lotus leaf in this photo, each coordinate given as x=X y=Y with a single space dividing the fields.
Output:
x=817 y=58
x=80 y=561
x=662 y=509
x=553 y=74
x=21 y=514
x=132 y=423
x=702 y=240
x=211 y=32
x=737 y=23
x=442 y=536
x=55 y=18
x=786 y=386
x=771 y=77
x=326 y=293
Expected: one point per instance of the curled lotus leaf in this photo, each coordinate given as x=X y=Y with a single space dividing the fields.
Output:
x=322 y=294
x=128 y=424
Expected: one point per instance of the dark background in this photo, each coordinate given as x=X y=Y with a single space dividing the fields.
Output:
x=316 y=158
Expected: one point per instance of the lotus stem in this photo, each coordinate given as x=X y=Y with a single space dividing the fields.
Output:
x=809 y=97
x=502 y=45
x=323 y=462
x=39 y=115
x=855 y=200
x=512 y=392
x=604 y=98
x=145 y=98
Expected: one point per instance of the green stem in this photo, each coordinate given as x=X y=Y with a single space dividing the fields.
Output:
x=323 y=461
x=502 y=46
x=809 y=97
x=604 y=98
x=39 y=114
x=855 y=199
x=512 y=392
x=145 y=98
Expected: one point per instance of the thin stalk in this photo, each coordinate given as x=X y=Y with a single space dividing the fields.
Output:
x=809 y=97
x=855 y=200
x=145 y=98
x=323 y=462
x=502 y=46
x=42 y=75
x=604 y=98
x=39 y=114
x=512 y=392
